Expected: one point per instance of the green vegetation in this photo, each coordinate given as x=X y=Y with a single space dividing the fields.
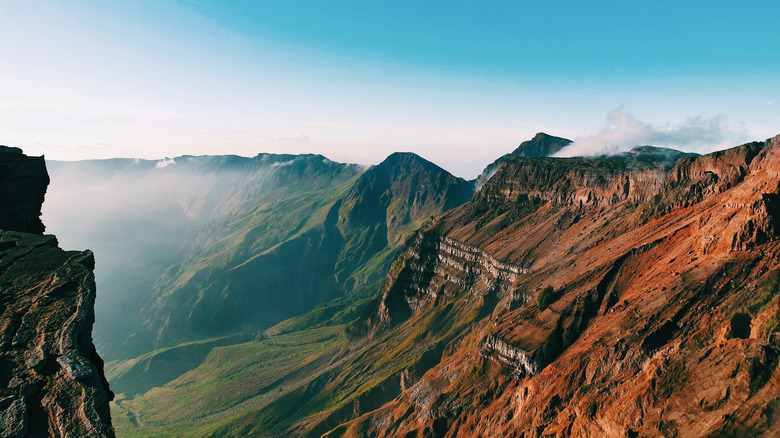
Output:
x=252 y=373
x=547 y=296
x=152 y=369
x=337 y=312
x=266 y=386
x=772 y=324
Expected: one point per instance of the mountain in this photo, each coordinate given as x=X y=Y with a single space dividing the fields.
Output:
x=604 y=296
x=385 y=206
x=338 y=240
x=205 y=252
x=542 y=145
x=619 y=303
x=51 y=377
x=156 y=224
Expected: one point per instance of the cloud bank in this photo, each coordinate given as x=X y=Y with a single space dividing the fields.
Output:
x=624 y=132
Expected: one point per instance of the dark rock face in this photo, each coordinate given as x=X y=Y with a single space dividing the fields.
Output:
x=51 y=378
x=23 y=182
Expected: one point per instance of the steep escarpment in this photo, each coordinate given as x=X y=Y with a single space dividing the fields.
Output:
x=436 y=268
x=51 y=377
x=649 y=305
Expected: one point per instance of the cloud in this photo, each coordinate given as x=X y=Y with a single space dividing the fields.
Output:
x=624 y=132
x=162 y=164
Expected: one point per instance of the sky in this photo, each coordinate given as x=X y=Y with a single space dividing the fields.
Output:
x=459 y=83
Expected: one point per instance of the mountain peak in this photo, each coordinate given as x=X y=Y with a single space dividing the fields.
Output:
x=542 y=145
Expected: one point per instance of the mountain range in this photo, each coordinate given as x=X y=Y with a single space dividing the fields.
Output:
x=625 y=295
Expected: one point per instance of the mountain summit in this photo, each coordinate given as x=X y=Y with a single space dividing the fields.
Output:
x=542 y=145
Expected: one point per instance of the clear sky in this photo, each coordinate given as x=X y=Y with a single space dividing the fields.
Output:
x=457 y=82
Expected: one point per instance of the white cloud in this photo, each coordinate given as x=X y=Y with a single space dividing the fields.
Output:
x=624 y=132
x=162 y=164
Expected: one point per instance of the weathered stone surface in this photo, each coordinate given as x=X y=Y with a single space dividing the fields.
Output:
x=46 y=354
x=431 y=268
x=51 y=378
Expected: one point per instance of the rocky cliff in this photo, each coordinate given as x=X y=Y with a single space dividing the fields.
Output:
x=633 y=301
x=23 y=182
x=51 y=378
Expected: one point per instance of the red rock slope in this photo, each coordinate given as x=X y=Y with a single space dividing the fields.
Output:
x=661 y=317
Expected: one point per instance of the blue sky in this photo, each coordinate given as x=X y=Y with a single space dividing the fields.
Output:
x=457 y=82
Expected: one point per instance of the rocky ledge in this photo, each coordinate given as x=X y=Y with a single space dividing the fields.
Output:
x=51 y=377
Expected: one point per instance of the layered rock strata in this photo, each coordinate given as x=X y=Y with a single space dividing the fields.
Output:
x=435 y=266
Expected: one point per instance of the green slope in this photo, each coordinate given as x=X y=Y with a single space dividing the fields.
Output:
x=309 y=241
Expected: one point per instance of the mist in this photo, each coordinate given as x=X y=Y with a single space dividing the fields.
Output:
x=139 y=217
x=623 y=132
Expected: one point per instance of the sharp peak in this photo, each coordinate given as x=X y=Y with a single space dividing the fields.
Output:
x=405 y=156
x=397 y=155
x=399 y=158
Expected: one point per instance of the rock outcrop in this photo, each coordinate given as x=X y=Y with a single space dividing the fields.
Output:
x=51 y=377
x=433 y=269
x=23 y=182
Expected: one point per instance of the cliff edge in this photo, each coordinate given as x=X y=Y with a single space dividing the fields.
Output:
x=51 y=377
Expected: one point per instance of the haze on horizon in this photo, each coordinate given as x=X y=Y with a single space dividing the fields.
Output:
x=460 y=84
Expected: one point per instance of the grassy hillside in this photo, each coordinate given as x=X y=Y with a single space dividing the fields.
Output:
x=231 y=380
x=309 y=241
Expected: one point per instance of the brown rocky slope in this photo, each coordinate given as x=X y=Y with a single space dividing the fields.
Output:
x=603 y=302
x=51 y=378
